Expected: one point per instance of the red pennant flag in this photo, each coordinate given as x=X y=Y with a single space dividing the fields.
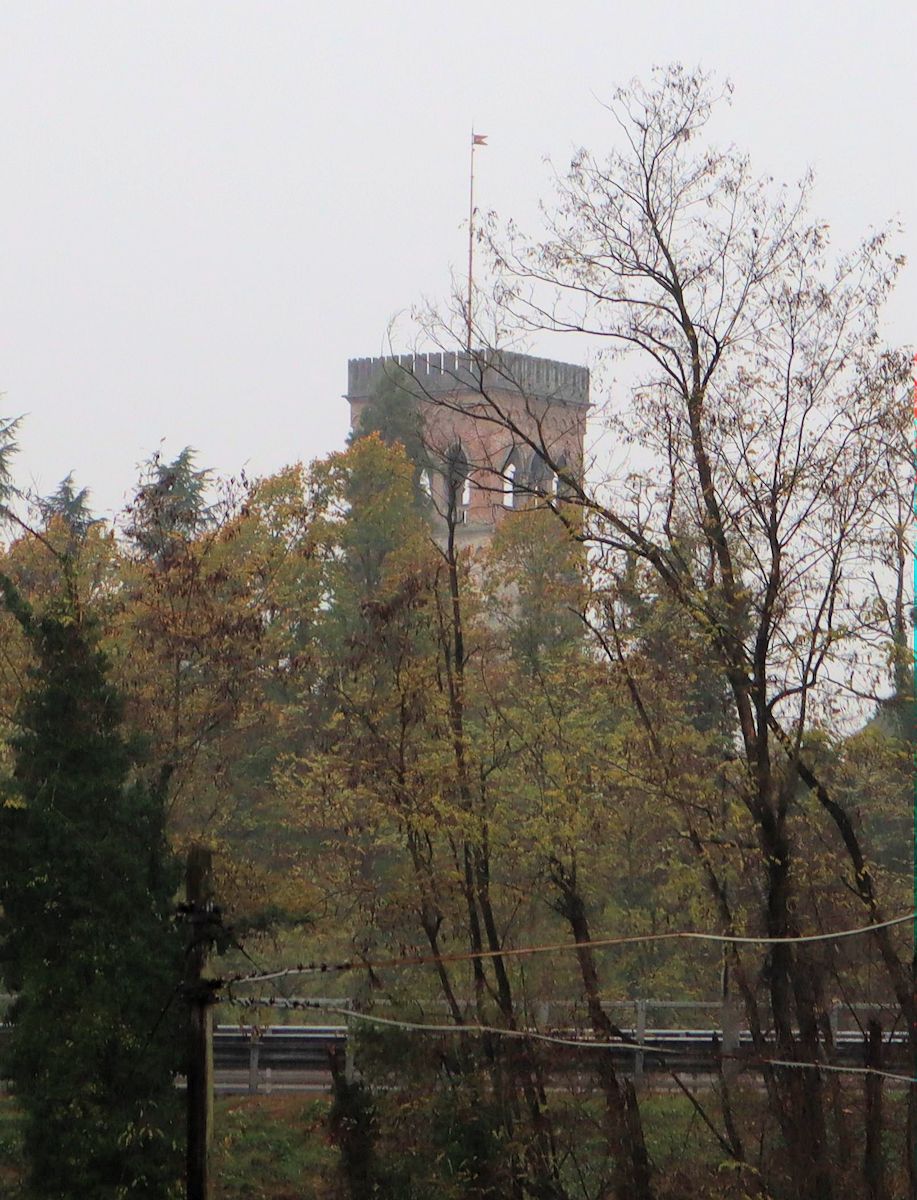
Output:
x=479 y=139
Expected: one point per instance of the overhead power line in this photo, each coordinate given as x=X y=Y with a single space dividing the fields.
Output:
x=419 y=960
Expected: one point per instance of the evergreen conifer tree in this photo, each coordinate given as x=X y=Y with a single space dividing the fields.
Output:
x=170 y=506
x=8 y=447
x=87 y=941
x=70 y=506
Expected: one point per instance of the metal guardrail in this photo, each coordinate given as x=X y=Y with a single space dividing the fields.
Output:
x=306 y=1048
x=287 y=1048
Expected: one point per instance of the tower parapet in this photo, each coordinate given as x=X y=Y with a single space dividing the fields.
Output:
x=447 y=373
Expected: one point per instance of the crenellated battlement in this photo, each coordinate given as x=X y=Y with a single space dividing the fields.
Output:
x=442 y=373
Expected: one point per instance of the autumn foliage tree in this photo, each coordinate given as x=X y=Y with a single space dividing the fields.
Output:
x=211 y=622
x=466 y=794
x=760 y=423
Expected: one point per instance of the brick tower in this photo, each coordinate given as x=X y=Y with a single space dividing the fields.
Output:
x=499 y=427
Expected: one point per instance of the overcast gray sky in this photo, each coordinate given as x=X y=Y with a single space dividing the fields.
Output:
x=208 y=207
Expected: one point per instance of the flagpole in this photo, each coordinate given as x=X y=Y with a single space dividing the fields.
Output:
x=477 y=139
x=470 y=242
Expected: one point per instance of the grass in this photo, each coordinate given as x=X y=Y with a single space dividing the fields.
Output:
x=271 y=1148
x=675 y=1133
x=276 y=1147
x=264 y=1148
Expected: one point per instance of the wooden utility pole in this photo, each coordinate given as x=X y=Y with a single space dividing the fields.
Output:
x=199 y=994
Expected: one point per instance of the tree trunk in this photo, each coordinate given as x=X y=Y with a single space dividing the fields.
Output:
x=801 y=1104
x=623 y=1121
x=873 y=1157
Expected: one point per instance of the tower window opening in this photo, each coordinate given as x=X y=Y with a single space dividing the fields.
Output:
x=540 y=475
x=458 y=481
x=509 y=485
x=515 y=479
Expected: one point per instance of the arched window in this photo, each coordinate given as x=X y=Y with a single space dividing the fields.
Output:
x=513 y=474
x=509 y=485
x=540 y=475
x=458 y=480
